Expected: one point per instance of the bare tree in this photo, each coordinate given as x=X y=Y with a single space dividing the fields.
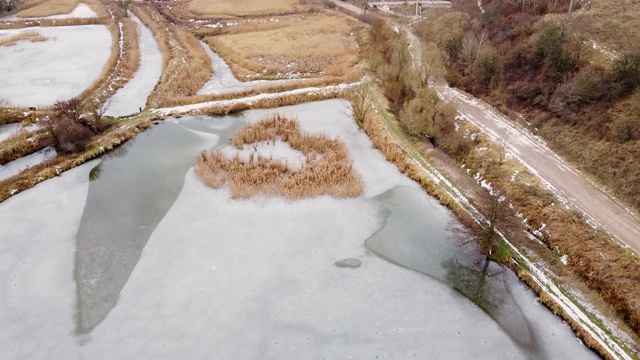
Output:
x=360 y=104
x=497 y=218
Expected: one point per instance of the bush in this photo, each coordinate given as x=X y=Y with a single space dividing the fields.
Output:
x=626 y=74
x=69 y=136
x=626 y=128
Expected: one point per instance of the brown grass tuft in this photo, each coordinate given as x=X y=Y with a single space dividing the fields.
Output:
x=32 y=36
x=327 y=169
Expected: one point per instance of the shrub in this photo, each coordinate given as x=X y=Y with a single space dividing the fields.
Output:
x=626 y=128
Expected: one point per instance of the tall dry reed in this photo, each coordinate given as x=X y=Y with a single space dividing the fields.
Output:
x=186 y=65
x=327 y=168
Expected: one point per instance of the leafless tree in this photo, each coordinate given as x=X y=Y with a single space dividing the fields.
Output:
x=497 y=217
x=360 y=104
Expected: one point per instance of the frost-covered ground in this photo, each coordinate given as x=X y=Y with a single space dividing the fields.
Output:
x=133 y=96
x=40 y=73
x=80 y=12
x=223 y=80
x=9 y=169
x=227 y=279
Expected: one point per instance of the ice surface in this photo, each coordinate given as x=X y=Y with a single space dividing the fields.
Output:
x=9 y=169
x=7 y=130
x=223 y=80
x=40 y=73
x=133 y=96
x=246 y=279
x=37 y=242
x=131 y=191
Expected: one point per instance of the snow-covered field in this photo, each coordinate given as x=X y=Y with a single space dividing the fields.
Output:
x=227 y=279
x=223 y=81
x=133 y=96
x=40 y=73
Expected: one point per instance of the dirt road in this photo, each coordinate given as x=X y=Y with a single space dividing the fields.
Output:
x=559 y=176
x=604 y=210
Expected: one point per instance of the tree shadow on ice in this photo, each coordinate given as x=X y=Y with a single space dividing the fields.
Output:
x=488 y=290
x=129 y=194
x=415 y=236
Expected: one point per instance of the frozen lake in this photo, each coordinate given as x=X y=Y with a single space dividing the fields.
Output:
x=40 y=73
x=144 y=261
x=133 y=96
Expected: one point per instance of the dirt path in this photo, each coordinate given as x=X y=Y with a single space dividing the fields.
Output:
x=558 y=175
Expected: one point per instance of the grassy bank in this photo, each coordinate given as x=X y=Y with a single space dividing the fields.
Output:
x=32 y=176
x=186 y=66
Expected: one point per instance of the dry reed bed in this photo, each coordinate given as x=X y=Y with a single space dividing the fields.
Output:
x=268 y=89
x=57 y=7
x=381 y=137
x=312 y=45
x=186 y=66
x=54 y=167
x=32 y=36
x=327 y=169
x=228 y=9
x=266 y=103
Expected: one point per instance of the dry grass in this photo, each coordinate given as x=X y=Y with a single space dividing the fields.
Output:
x=51 y=22
x=22 y=143
x=614 y=23
x=268 y=103
x=48 y=8
x=226 y=9
x=57 y=7
x=319 y=44
x=186 y=65
x=32 y=36
x=120 y=67
x=327 y=169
